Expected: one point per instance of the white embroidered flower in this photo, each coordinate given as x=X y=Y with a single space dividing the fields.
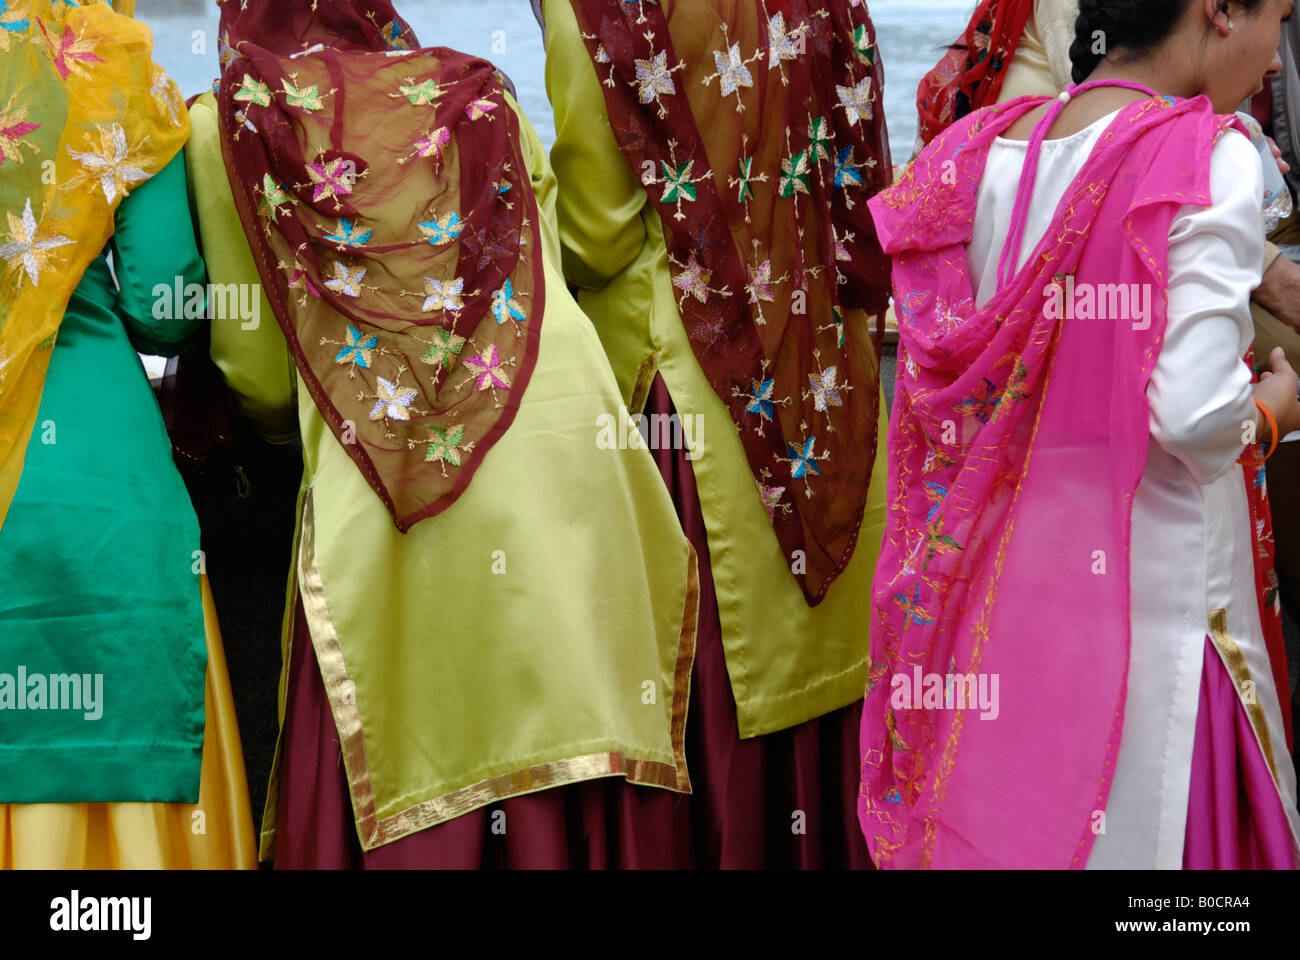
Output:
x=25 y=250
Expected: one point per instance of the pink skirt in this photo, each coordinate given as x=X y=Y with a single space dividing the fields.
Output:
x=741 y=815
x=1235 y=818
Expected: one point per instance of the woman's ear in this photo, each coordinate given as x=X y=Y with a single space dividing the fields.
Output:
x=1216 y=16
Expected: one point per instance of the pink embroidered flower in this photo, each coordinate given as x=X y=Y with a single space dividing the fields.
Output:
x=488 y=370
x=331 y=179
x=431 y=143
x=693 y=279
x=479 y=107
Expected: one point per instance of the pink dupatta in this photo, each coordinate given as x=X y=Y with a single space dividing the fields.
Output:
x=1015 y=447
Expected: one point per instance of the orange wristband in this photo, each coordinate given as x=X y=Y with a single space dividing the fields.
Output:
x=1272 y=426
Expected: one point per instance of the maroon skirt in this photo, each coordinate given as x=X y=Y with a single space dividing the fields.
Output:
x=785 y=800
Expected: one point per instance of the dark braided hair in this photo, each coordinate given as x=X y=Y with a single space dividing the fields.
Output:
x=1134 y=25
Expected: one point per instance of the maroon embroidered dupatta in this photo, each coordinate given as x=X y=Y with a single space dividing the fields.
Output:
x=390 y=214
x=757 y=131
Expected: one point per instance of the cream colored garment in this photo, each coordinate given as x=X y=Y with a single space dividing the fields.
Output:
x=1190 y=543
x=1042 y=65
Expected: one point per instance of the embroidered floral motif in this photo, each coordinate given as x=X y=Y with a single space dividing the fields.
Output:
x=655 y=79
x=114 y=165
x=857 y=100
x=307 y=98
x=443 y=296
x=347 y=235
x=13 y=21
x=505 y=306
x=252 y=90
x=419 y=94
x=71 y=52
x=794 y=175
x=331 y=179
x=480 y=107
x=445 y=444
x=913 y=612
x=273 y=198
x=488 y=370
x=444 y=350
x=393 y=401
x=25 y=249
x=442 y=229
x=13 y=127
x=825 y=390
x=358 y=350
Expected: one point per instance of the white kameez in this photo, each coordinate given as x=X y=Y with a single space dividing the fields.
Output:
x=1191 y=552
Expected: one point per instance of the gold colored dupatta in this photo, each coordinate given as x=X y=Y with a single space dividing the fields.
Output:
x=86 y=116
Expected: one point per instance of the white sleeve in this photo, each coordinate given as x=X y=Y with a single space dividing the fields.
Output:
x=1200 y=391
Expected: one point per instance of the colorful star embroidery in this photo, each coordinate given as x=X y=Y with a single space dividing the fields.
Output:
x=731 y=71
x=347 y=235
x=331 y=180
x=113 y=165
x=356 y=350
x=935 y=493
x=392 y=401
x=431 y=144
x=803 y=462
x=252 y=90
x=420 y=94
x=981 y=408
x=820 y=137
x=760 y=282
x=693 y=280
x=654 y=78
x=677 y=182
x=273 y=198
x=825 y=391
x=445 y=445
x=794 y=175
x=856 y=100
x=345 y=281
x=488 y=366
x=913 y=612
x=505 y=305
x=443 y=296
x=862 y=46
x=442 y=230
x=444 y=350
x=25 y=249
x=760 y=398
x=771 y=497
x=13 y=127
x=13 y=20
x=308 y=98
x=69 y=52
x=781 y=45
x=744 y=181
x=479 y=107
x=846 y=172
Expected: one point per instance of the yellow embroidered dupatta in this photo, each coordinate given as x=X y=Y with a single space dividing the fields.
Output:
x=85 y=117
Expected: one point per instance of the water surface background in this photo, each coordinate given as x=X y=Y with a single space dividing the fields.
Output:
x=910 y=35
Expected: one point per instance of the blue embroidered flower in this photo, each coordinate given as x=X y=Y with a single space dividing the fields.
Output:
x=846 y=174
x=761 y=398
x=801 y=463
x=356 y=349
x=505 y=305
x=444 y=230
x=348 y=235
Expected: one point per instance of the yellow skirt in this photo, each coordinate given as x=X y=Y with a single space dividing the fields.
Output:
x=216 y=833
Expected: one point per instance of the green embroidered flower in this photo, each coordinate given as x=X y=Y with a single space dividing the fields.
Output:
x=820 y=137
x=445 y=444
x=863 y=46
x=273 y=198
x=677 y=182
x=254 y=91
x=308 y=98
x=743 y=184
x=794 y=175
x=420 y=94
x=445 y=349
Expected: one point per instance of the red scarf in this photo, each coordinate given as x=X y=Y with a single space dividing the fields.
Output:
x=761 y=134
x=970 y=74
x=394 y=227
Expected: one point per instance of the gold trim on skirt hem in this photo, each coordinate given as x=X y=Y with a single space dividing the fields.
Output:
x=374 y=832
x=1235 y=661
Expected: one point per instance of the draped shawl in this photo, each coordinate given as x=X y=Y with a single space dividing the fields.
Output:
x=758 y=132
x=85 y=117
x=1016 y=445
x=386 y=202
